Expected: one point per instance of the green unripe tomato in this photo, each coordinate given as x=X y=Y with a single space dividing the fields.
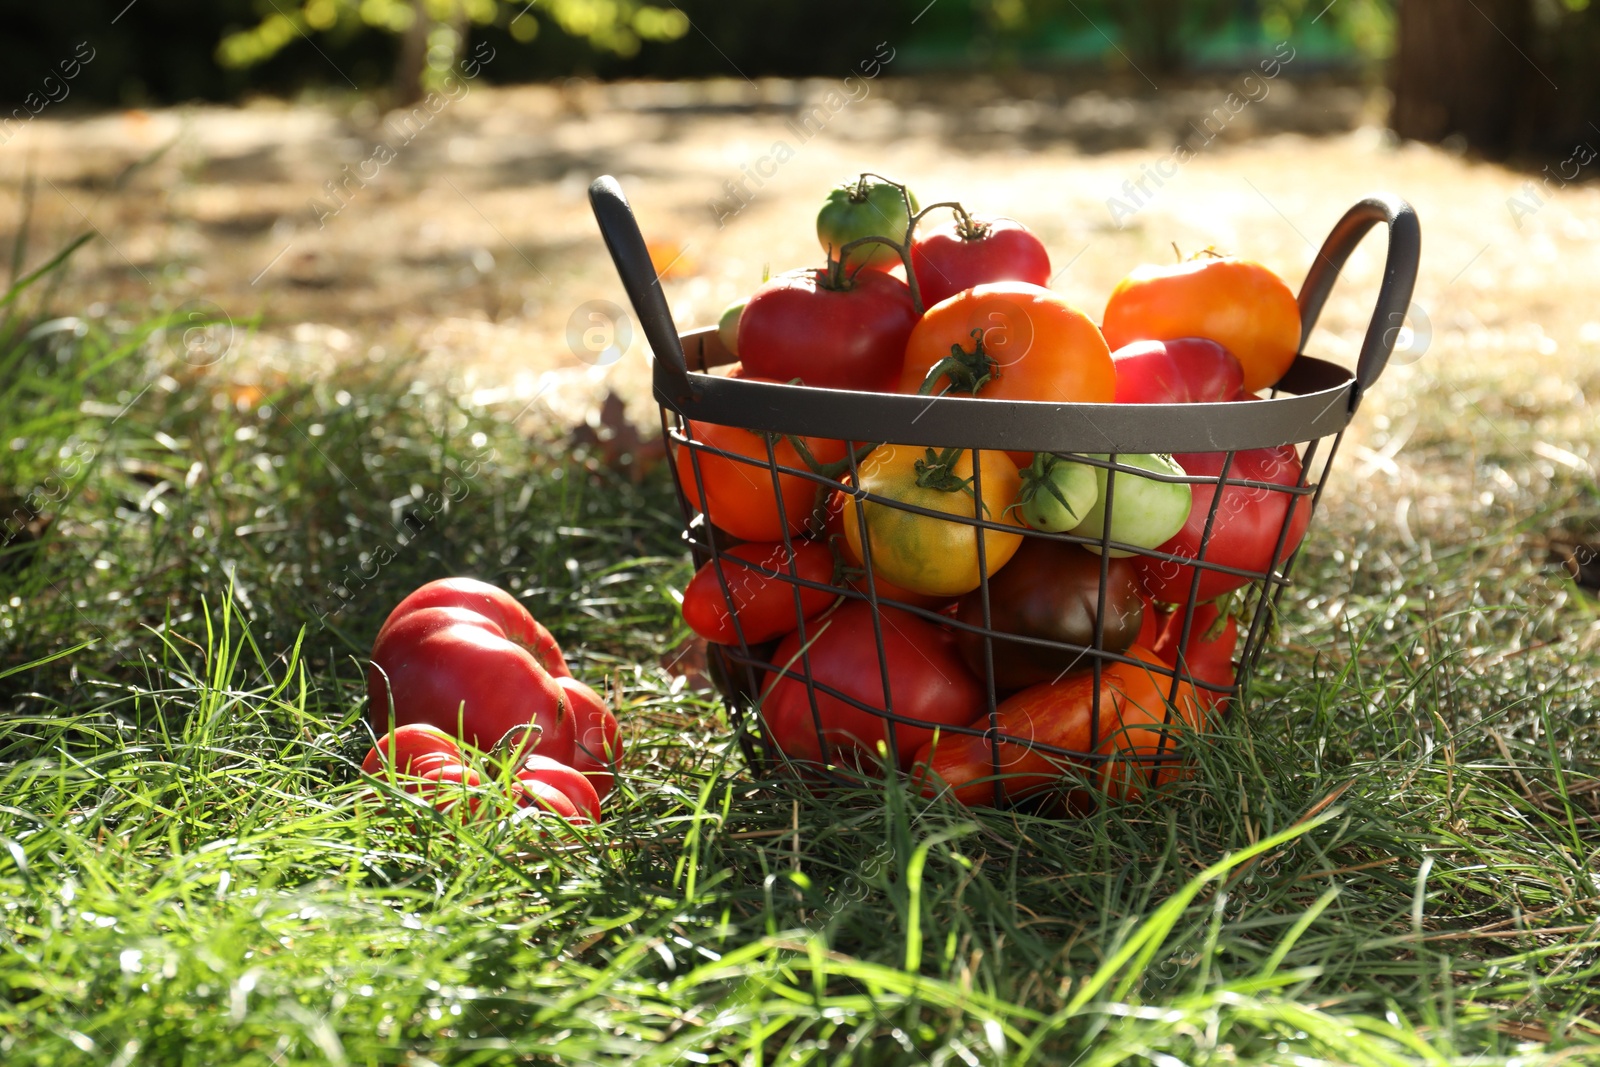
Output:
x=1056 y=493
x=728 y=327
x=865 y=207
x=1144 y=512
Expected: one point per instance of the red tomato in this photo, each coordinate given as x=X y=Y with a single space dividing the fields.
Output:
x=1245 y=530
x=446 y=786
x=599 y=740
x=739 y=495
x=543 y=796
x=1150 y=627
x=495 y=603
x=1186 y=370
x=763 y=605
x=1208 y=657
x=1131 y=728
x=959 y=254
x=416 y=747
x=459 y=671
x=1241 y=305
x=928 y=684
x=844 y=334
x=568 y=780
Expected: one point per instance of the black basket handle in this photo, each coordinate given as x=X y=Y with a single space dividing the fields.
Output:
x=639 y=277
x=1394 y=295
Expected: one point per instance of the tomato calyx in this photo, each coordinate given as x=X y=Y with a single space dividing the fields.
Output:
x=968 y=371
x=968 y=227
x=937 y=471
x=1039 y=477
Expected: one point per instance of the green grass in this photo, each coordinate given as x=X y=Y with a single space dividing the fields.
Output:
x=1390 y=856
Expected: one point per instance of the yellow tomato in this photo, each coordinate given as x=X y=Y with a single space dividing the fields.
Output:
x=921 y=553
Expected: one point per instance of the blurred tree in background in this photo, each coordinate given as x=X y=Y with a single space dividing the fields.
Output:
x=432 y=32
x=1502 y=75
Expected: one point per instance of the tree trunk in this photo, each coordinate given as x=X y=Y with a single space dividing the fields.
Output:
x=413 y=58
x=1458 y=70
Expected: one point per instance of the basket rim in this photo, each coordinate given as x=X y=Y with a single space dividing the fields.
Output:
x=1318 y=405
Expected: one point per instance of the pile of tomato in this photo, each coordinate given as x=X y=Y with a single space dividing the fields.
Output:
x=963 y=308
x=476 y=711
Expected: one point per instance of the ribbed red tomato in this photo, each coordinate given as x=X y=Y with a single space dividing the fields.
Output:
x=598 y=747
x=1186 y=370
x=459 y=671
x=496 y=604
x=568 y=780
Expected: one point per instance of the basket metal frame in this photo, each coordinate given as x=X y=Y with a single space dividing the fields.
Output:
x=1310 y=406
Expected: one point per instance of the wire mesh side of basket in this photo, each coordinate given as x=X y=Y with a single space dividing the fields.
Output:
x=749 y=670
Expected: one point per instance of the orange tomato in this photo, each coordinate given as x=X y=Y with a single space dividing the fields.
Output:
x=739 y=496
x=1011 y=341
x=1241 y=305
x=1133 y=729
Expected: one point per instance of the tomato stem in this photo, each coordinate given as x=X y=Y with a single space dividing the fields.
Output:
x=828 y=470
x=968 y=371
x=903 y=247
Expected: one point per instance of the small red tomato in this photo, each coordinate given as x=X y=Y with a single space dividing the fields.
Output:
x=1186 y=370
x=568 y=779
x=970 y=250
x=412 y=744
x=541 y=795
x=458 y=670
x=1245 y=530
x=495 y=603
x=599 y=741
x=446 y=786
x=830 y=332
x=763 y=605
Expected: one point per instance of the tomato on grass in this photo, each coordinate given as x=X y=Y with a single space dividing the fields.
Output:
x=597 y=747
x=460 y=671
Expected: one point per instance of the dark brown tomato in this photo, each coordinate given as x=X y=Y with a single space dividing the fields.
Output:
x=1049 y=590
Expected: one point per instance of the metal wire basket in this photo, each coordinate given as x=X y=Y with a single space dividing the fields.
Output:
x=1308 y=410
